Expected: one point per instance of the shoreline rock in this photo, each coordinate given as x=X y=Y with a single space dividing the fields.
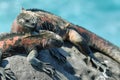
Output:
x=75 y=68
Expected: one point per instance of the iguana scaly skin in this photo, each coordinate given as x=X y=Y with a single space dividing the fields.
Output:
x=10 y=42
x=35 y=19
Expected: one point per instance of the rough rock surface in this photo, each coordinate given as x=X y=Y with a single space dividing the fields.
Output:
x=75 y=68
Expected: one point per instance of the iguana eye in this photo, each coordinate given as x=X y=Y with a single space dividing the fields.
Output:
x=27 y=21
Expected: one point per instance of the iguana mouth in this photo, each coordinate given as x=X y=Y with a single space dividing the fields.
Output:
x=29 y=26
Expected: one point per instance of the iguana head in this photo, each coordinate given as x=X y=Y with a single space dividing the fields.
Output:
x=54 y=39
x=27 y=19
x=40 y=20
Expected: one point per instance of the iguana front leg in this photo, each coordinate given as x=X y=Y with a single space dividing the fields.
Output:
x=46 y=67
x=55 y=52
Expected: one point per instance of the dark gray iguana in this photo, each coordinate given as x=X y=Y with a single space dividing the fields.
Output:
x=33 y=20
x=13 y=42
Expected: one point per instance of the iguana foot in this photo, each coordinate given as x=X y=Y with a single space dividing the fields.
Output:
x=47 y=68
x=106 y=72
x=57 y=54
x=7 y=74
x=2 y=74
x=10 y=75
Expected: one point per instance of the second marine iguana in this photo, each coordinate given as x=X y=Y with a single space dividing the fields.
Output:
x=32 y=20
x=13 y=42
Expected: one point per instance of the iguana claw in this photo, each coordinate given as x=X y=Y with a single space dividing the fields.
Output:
x=2 y=74
x=47 y=68
x=10 y=75
x=7 y=74
x=106 y=72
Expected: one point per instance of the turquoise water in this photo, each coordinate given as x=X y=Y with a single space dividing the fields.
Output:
x=99 y=16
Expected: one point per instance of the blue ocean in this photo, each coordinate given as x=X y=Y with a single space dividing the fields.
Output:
x=99 y=16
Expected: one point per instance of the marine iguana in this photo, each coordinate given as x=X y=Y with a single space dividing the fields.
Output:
x=13 y=42
x=32 y=20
